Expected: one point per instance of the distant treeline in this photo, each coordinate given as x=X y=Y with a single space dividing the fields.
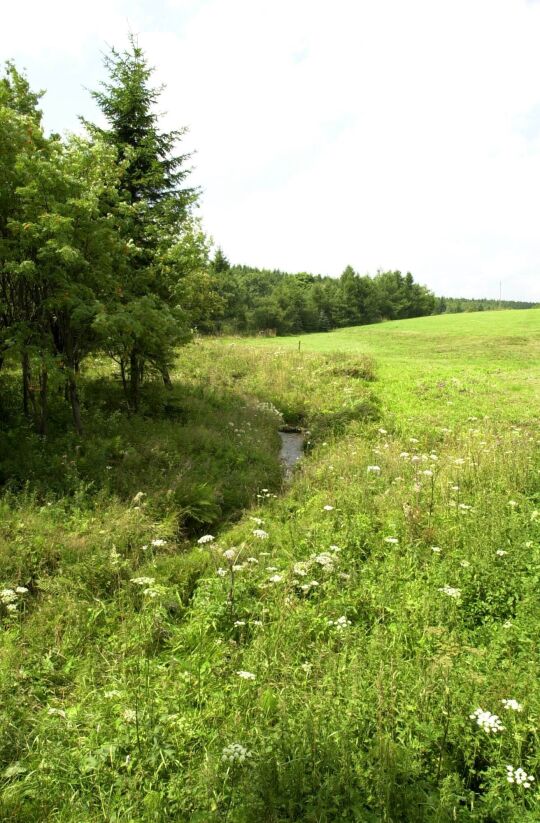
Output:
x=261 y=300
x=454 y=305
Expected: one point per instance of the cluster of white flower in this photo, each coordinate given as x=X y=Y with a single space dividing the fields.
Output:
x=373 y=469
x=235 y=753
x=391 y=540
x=143 y=581
x=246 y=675
x=261 y=534
x=490 y=723
x=326 y=561
x=501 y=553
x=451 y=591
x=129 y=715
x=9 y=597
x=511 y=704
x=307 y=587
x=328 y=508
x=229 y=554
x=519 y=776
x=206 y=538
x=276 y=578
x=158 y=542
x=265 y=493
x=341 y=623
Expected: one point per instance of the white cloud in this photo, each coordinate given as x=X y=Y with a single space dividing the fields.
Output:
x=375 y=132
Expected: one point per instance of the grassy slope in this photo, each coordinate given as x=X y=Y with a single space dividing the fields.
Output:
x=358 y=721
x=493 y=355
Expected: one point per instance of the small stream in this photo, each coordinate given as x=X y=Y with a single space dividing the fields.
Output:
x=292 y=447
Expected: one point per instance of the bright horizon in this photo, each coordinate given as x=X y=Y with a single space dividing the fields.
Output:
x=376 y=133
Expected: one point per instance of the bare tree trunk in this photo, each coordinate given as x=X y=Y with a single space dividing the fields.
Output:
x=167 y=382
x=75 y=404
x=134 y=379
x=25 y=364
x=43 y=400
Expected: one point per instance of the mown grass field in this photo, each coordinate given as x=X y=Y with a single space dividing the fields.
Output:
x=321 y=658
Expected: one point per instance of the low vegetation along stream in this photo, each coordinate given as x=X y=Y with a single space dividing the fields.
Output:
x=187 y=638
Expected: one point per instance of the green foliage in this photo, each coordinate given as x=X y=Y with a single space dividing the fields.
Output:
x=273 y=301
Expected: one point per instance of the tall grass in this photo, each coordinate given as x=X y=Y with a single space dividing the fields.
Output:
x=318 y=660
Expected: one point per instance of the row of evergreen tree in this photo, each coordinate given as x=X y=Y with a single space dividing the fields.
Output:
x=262 y=301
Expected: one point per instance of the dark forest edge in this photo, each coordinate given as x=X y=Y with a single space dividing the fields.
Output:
x=256 y=300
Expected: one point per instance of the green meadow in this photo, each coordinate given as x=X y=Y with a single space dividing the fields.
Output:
x=188 y=638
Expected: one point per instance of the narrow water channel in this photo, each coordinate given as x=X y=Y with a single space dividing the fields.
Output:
x=292 y=446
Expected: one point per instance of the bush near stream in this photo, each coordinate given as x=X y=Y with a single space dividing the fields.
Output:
x=317 y=661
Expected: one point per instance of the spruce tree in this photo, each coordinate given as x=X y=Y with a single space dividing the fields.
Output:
x=155 y=204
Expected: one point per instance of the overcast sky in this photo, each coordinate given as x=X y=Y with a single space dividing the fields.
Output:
x=400 y=134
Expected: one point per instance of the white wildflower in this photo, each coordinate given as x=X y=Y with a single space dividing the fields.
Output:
x=328 y=508
x=143 y=581
x=464 y=563
x=206 y=538
x=436 y=549
x=21 y=589
x=276 y=578
x=129 y=715
x=392 y=540
x=373 y=469
x=490 y=723
x=511 y=704
x=246 y=675
x=235 y=753
x=451 y=591
x=229 y=554
x=324 y=559
x=252 y=560
x=519 y=777
x=8 y=596
x=341 y=623
x=261 y=534
x=501 y=553
x=158 y=542
x=257 y=520
x=239 y=623
x=221 y=572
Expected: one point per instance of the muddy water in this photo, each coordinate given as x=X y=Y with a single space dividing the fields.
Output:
x=292 y=446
